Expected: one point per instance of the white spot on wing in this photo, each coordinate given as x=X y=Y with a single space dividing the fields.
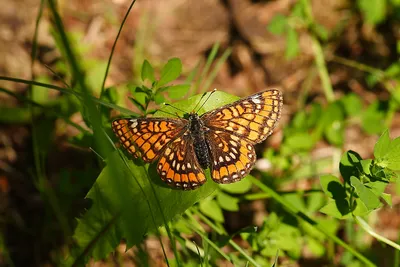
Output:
x=134 y=123
x=220 y=159
x=256 y=100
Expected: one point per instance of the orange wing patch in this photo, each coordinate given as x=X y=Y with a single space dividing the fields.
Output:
x=178 y=166
x=253 y=118
x=146 y=138
x=232 y=157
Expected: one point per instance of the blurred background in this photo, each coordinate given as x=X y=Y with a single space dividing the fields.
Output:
x=335 y=61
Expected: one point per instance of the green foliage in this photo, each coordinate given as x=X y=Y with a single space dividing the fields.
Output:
x=373 y=10
x=142 y=95
x=365 y=180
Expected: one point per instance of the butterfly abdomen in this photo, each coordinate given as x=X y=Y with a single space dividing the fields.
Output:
x=197 y=129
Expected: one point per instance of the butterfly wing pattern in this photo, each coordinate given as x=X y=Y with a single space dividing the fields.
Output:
x=235 y=128
x=221 y=139
x=167 y=139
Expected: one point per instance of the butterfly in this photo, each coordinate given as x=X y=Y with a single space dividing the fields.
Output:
x=222 y=139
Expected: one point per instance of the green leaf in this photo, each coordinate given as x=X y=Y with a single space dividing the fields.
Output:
x=374 y=11
x=370 y=200
x=211 y=209
x=278 y=24
x=147 y=72
x=336 y=211
x=300 y=141
x=240 y=187
x=316 y=248
x=292 y=44
x=159 y=99
x=333 y=124
x=315 y=201
x=382 y=146
x=373 y=119
x=360 y=208
x=350 y=164
x=392 y=158
x=128 y=202
x=332 y=186
x=352 y=104
x=387 y=198
x=227 y=202
x=170 y=71
x=178 y=91
x=366 y=166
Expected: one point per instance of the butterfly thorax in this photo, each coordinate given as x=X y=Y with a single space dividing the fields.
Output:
x=197 y=132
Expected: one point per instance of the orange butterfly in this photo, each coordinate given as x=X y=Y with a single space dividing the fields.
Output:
x=221 y=139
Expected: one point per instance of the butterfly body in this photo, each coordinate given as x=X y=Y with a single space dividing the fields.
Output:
x=221 y=139
x=198 y=132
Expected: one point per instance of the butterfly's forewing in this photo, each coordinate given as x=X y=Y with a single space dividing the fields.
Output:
x=178 y=166
x=232 y=157
x=146 y=138
x=252 y=118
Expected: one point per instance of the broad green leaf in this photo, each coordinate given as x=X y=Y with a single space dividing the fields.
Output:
x=382 y=146
x=170 y=71
x=392 y=157
x=315 y=201
x=159 y=99
x=332 y=186
x=147 y=72
x=316 y=248
x=296 y=200
x=127 y=203
x=360 y=208
x=352 y=104
x=240 y=187
x=278 y=24
x=178 y=91
x=227 y=202
x=292 y=44
x=211 y=209
x=374 y=11
x=387 y=198
x=350 y=164
x=300 y=141
x=338 y=211
x=366 y=166
x=333 y=126
x=370 y=200
x=373 y=119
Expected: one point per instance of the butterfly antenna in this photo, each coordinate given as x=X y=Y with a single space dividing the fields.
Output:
x=175 y=115
x=213 y=91
x=169 y=105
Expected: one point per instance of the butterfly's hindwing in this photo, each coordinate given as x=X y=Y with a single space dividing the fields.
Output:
x=232 y=156
x=178 y=165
